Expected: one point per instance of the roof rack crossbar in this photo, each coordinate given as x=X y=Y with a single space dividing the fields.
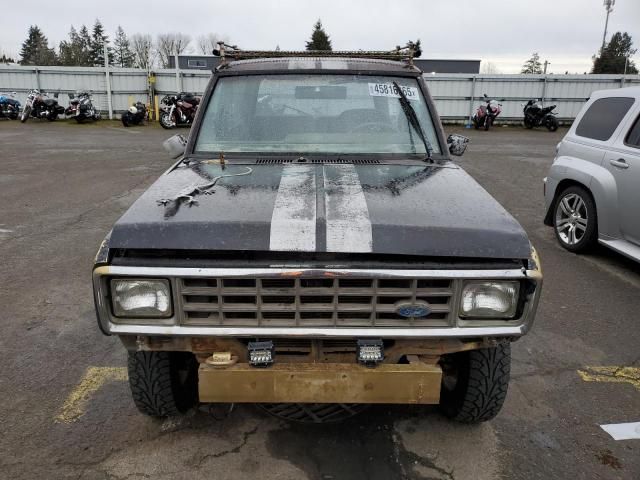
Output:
x=225 y=51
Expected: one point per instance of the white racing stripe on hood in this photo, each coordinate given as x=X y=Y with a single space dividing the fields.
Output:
x=348 y=223
x=293 y=222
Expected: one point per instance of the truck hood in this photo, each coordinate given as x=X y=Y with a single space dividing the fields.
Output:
x=426 y=210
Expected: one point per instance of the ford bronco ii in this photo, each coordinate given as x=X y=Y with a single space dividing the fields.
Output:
x=315 y=249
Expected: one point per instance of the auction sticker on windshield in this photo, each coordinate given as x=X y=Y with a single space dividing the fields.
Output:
x=390 y=90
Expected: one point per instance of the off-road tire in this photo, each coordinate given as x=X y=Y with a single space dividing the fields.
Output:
x=163 y=383
x=481 y=386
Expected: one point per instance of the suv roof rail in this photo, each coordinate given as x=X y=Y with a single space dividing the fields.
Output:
x=399 y=53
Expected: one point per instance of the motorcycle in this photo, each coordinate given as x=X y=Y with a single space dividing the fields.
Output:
x=178 y=110
x=38 y=105
x=136 y=114
x=535 y=115
x=9 y=106
x=486 y=114
x=81 y=107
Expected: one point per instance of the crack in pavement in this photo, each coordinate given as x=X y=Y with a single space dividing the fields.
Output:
x=246 y=435
x=413 y=459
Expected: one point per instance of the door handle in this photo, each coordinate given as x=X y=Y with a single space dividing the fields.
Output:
x=620 y=163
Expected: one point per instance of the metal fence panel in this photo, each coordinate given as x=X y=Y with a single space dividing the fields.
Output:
x=456 y=95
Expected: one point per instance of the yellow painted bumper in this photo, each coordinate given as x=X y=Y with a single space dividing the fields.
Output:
x=415 y=383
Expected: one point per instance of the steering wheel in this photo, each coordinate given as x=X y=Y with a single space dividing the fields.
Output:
x=373 y=127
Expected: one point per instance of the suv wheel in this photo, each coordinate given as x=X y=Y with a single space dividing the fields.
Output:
x=474 y=383
x=163 y=383
x=574 y=220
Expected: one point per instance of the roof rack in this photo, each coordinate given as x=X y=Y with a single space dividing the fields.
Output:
x=225 y=51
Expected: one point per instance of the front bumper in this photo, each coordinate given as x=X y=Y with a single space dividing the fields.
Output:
x=413 y=383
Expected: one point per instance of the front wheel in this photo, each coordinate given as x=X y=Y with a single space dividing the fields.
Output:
x=24 y=116
x=126 y=119
x=528 y=124
x=487 y=122
x=575 y=220
x=166 y=121
x=474 y=383
x=163 y=383
x=551 y=123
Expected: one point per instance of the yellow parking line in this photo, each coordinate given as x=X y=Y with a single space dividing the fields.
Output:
x=612 y=374
x=94 y=378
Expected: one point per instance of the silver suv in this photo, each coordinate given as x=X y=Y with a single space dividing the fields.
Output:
x=592 y=192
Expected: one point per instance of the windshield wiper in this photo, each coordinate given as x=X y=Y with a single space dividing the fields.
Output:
x=412 y=118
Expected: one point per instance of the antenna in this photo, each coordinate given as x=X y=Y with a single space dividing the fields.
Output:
x=608 y=6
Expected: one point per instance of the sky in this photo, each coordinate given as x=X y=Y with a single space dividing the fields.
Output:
x=564 y=32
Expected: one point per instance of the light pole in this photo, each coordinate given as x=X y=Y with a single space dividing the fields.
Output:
x=608 y=6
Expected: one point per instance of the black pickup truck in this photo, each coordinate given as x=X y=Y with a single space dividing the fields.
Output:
x=315 y=249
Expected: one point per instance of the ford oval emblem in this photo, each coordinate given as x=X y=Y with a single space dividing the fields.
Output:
x=415 y=309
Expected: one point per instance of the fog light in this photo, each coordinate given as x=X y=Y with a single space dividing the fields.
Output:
x=260 y=353
x=370 y=352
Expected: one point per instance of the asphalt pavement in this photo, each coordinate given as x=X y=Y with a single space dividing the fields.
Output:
x=66 y=409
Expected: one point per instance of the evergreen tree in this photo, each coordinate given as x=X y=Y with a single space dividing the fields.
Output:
x=319 y=38
x=75 y=51
x=532 y=65
x=35 y=49
x=613 y=56
x=5 y=59
x=96 y=46
x=122 y=54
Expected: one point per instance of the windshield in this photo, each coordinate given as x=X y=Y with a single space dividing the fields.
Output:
x=306 y=114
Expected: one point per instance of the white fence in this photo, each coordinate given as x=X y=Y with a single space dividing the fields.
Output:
x=456 y=95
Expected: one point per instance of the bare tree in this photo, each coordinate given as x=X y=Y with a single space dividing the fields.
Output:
x=170 y=44
x=207 y=43
x=489 y=68
x=143 y=51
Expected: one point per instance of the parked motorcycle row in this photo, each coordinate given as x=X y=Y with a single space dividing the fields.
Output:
x=177 y=110
x=535 y=115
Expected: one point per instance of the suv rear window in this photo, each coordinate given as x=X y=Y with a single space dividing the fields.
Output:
x=633 y=138
x=603 y=116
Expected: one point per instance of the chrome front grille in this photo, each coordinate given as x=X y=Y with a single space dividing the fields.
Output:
x=310 y=302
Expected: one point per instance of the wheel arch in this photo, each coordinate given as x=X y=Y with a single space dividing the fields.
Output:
x=596 y=180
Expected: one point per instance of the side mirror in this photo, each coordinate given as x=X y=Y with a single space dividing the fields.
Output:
x=175 y=146
x=457 y=144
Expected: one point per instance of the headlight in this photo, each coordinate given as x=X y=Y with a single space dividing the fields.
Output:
x=141 y=298
x=489 y=299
